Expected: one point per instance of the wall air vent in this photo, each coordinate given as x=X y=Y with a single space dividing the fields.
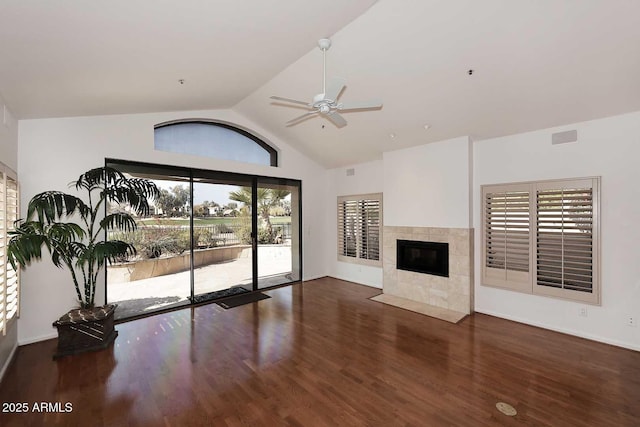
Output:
x=564 y=137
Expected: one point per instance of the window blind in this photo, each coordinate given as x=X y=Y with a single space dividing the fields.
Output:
x=359 y=227
x=3 y=255
x=9 y=278
x=565 y=239
x=542 y=237
x=507 y=230
x=11 y=274
x=348 y=227
x=370 y=226
x=506 y=237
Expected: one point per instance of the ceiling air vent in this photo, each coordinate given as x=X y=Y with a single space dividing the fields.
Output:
x=351 y=172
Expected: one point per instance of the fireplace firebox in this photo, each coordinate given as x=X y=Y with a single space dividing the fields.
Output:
x=423 y=257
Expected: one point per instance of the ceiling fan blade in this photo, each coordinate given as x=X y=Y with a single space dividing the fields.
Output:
x=299 y=118
x=363 y=105
x=294 y=101
x=337 y=119
x=334 y=88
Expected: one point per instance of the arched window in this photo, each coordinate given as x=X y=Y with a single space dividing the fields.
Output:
x=212 y=139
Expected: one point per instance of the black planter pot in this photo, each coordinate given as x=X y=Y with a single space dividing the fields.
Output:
x=85 y=329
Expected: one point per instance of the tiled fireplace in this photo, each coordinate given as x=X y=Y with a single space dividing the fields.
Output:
x=454 y=292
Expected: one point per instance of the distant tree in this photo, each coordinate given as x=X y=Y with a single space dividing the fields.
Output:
x=181 y=193
x=173 y=202
x=166 y=202
x=200 y=210
x=267 y=199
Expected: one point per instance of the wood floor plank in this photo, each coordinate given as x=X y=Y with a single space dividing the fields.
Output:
x=322 y=354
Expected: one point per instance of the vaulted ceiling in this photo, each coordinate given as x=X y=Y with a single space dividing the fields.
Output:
x=535 y=64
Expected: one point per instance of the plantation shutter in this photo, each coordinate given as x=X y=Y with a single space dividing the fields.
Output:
x=507 y=223
x=543 y=238
x=359 y=228
x=12 y=275
x=9 y=283
x=370 y=217
x=566 y=239
x=3 y=257
x=347 y=227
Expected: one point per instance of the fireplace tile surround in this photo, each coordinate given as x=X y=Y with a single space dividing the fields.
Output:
x=452 y=293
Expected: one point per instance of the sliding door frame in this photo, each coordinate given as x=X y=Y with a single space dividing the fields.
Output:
x=191 y=174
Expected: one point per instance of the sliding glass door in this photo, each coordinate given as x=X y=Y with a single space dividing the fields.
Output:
x=222 y=235
x=278 y=232
x=157 y=277
x=205 y=240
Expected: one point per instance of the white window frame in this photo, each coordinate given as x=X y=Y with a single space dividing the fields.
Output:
x=360 y=234
x=527 y=281
x=10 y=283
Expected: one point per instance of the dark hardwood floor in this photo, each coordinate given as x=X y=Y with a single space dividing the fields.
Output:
x=322 y=354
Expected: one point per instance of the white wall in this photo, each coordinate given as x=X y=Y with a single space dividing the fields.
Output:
x=609 y=148
x=367 y=178
x=428 y=185
x=8 y=156
x=53 y=152
x=423 y=186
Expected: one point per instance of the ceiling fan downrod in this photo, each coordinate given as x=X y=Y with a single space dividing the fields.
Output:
x=324 y=45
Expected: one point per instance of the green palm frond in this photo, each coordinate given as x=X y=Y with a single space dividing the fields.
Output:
x=263 y=194
x=65 y=232
x=98 y=178
x=25 y=244
x=133 y=192
x=111 y=251
x=278 y=195
x=118 y=221
x=77 y=249
x=51 y=206
x=243 y=196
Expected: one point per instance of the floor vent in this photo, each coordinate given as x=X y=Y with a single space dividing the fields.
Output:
x=506 y=409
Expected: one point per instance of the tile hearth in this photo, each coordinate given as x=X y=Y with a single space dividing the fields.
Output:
x=419 y=307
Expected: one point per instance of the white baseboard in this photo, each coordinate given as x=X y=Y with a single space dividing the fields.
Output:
x=317 y=276
x=32 y=340
x=8 y=361
x=580 y=334
x=350 y=279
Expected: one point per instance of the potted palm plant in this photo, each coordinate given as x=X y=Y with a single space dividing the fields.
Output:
x=73 y=231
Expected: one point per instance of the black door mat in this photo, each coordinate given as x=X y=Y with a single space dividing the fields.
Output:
x=218 y=294
x=142 y=306
x=242 y=300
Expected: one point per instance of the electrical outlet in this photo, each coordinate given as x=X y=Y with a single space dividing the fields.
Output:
x=583 y=311
x=632 y=321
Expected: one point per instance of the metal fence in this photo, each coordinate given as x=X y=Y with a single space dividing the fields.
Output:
x=176 y=239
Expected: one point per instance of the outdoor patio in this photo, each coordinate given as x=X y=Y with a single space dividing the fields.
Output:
x=141 y=296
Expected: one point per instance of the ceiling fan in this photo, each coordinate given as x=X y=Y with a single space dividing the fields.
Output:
x=326 y=103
